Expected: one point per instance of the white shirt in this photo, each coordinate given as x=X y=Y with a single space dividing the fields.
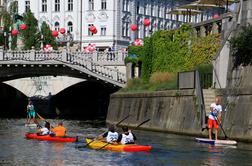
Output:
x=127 y=138
x=44 y=131
x=216 y=110
x=112 y=136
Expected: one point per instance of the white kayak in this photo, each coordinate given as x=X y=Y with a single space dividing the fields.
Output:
x=216 y=142
x=31 y=125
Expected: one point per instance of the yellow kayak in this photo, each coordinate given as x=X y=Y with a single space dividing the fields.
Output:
x=119 y=148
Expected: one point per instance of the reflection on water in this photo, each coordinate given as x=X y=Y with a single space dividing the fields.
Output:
x=167 y=149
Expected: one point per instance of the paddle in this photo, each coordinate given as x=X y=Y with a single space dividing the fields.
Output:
x=217 y=119
x=104 y=132
x=40 y=117
x=132 y=129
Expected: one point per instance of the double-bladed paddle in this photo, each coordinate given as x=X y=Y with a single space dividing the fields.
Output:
x=132 y=129
x=104 y=132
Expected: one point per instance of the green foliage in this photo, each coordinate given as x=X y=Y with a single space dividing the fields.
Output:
x=138 y=85
x=47 y=35
x=8 y=21
x=174 y=51
x=241 y=48
x=135 y=54
x=13 y=42
x=30 y=36
x=202 y=51
x=177 y=50
x=206 y=75
x=147 y=59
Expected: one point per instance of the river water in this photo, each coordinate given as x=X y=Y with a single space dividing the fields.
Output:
x=168 y=149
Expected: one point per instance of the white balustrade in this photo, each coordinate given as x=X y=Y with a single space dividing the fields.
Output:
x=90 y=61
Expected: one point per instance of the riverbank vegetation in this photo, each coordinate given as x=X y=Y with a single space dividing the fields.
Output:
x=241 y=48
x=168 y=52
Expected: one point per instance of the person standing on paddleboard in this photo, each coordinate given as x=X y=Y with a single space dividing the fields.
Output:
x=214 y=117
x=31 y=114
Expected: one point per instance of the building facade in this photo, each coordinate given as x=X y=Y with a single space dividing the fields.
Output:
x=112 y=18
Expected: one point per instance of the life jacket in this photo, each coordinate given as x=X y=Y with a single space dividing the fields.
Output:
x=45 y=131
x=59 y=131
x=112 y=136
x=127 y=139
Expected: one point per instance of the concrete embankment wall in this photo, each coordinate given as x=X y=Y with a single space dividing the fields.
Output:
x=169 y=111
x=177 y=112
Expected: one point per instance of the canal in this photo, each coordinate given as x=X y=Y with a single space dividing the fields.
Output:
x=168 y=149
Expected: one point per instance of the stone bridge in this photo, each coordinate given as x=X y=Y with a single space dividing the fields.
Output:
x=107 y=67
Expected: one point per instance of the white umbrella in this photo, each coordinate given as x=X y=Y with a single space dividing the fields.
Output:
x=217 y=2
x=198 y=6
x=182 y=11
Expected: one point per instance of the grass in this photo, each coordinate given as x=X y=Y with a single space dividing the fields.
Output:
x=159 y=81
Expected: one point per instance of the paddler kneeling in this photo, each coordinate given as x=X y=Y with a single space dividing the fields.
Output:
x=127 y=137
x=110 y=136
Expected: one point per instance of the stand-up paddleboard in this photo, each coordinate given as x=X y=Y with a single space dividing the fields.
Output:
x=31 y=125
x=216 y=142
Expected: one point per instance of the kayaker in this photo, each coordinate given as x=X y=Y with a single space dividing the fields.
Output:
x=60 y=130
x=31 y=114
x=214 y=117
x=44 y=130
x=110 y=136
x=127 y=137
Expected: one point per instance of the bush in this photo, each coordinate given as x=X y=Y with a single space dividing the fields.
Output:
x=161 y=77
x=241 y=48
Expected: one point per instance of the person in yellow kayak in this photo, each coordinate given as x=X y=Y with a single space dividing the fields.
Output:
x=127 y=137
x=110 y=136
x=60 y=130
x=31 y=114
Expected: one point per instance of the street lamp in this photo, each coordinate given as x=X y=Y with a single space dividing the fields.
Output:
x=65 y=39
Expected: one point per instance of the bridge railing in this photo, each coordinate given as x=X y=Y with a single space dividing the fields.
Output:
x=77 y=60
x=95 y=67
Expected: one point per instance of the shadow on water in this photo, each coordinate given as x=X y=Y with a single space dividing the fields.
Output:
x=85 y=100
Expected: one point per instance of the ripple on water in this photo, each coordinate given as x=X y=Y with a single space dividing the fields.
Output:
x=168 y=149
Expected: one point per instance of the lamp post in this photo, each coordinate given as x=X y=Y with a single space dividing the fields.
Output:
x=66 y=39
x=5 y=40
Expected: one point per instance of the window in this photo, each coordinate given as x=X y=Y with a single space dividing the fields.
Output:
x=103 y=4
x=125 y=29
x=44 y=5
x=158 y=11
x=145 y=9
x=57 y=6
x=70 y=5
x=138 y=8
x=27 y=6
x=125 y=5
x=70 y=26
x=91 y=4
x=56 y=26
x=103 y=31
x=152 y=10
x=90 y=33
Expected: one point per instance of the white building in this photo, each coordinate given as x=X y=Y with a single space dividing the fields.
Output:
x=112 y=18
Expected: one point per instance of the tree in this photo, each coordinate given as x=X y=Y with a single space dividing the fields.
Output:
x=241 y=49
x=8 y=21
x=47 y=35
x=30 y=36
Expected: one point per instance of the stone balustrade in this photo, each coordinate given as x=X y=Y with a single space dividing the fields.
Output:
x=85 y=62
x=212 y=26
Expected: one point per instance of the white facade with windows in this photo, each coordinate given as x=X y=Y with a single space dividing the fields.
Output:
x=112 y=18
